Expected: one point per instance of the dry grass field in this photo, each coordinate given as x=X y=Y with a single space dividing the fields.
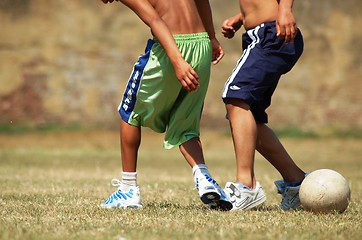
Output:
x=52 y=183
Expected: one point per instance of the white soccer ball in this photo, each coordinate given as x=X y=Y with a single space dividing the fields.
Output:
x=323 y=191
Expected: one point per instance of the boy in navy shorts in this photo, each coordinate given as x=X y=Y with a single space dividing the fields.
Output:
x=272 y=45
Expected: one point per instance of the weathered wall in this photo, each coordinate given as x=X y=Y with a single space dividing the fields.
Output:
x=68 y=62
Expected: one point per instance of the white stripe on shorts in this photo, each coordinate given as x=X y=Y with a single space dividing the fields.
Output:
x=253 y=34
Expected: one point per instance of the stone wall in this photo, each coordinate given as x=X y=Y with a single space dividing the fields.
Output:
x=67 y=62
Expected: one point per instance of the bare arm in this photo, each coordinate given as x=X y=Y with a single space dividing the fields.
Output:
x=145 y=11
x=286 y=24
x=231 y=25
x=204 y=9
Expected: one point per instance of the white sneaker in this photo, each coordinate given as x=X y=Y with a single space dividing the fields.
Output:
x=121 y=199
x=290 y=195
x=243 y=198
x=211 y=193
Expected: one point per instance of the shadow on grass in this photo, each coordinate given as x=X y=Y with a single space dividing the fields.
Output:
x=173 y=205
x=167 y=205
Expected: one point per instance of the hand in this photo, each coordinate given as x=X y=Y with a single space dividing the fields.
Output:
x=187 y=76
x=227 y=30
x=217 y=51
x=231 y=25
x=286 y=25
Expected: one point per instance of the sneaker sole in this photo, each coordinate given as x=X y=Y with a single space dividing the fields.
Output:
x=120 y=206
x=133 y=206
x=221 y=205
x=210 y=197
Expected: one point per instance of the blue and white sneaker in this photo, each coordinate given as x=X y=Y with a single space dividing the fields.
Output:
x=211 y=193
x=290 y=194
x=244 y=198
x=122 y=199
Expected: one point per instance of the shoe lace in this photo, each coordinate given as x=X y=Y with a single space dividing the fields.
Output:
x=118 y=194
x=290 y=199
x=116 y=182
x=209 y=179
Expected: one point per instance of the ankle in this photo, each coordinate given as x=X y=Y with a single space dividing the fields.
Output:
x=199 y=171
x=129 y=178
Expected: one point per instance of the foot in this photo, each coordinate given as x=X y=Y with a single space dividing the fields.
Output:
x=212 y=194
x=123 y=199
x=244 y=198
x=290 y=195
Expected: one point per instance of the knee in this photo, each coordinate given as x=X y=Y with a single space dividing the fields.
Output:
x=232 y=103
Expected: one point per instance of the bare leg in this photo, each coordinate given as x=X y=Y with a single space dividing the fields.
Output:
x=244 y=133
x=130 y=142
x=192 y=151
x=209 y=191
x=272 y=149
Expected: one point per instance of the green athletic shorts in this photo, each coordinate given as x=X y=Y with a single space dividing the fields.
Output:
x=154 y=97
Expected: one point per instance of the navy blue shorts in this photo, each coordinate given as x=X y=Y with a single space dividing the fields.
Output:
x=256 y=75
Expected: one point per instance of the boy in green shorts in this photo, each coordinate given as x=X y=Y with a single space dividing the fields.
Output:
x=166 y=92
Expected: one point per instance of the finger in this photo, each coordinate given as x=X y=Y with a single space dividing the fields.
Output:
x=194 y=75
x=282 y=33
x=228 y=34
x=217 y=57
x=287 y=35
x=194 y=78
x=293 y=33
x=191 y=87
x=185 y=86
x=189 y=83
x=227 y=27
x=226 y=23
x=194 y=82
x=278 y=29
